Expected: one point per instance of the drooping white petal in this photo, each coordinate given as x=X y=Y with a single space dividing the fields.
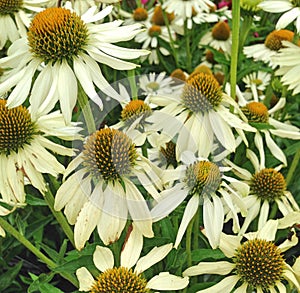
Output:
x=213 y=218
x=219 y=268
x=67 y=89
x=85 y=224
x=166 y=281
x=103 y=258
x=226 y=285
x=132 y=248
x=189 y=212
x=85 y=279
x=264 y=213
x=275 y=149
x=155 y=255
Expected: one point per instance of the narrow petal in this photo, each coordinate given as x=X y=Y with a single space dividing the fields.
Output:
x=189 y=212
x=85 y=279
x=132 y=248
x=166 y=281
x=103 y=258
x=275 y=149
x=226 y=285
x=155 y=255
x=218 y=268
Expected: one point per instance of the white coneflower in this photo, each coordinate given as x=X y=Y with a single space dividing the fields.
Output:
x=257 y=113
x=204 y=182
x=289 y=66
x=24 y=149
x=257 y=83
x=198 y=115
x=218 y=38
x=61 y=62
x=290 y=7
x=273 y=42
x=125 y=278
x=104 y=187
x=256 y=265
x=267 y=187
x=14 y=19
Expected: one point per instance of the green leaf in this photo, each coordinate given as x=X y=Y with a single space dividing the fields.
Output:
x=41 y=284
x=261 y=126
x=35 y=201
x=8 y=277
x=203 y=253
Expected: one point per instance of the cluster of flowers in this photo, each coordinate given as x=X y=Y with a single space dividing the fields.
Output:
x=177 y=144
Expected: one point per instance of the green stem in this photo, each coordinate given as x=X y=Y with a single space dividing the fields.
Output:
x=59 y=217
x=188 y=241
x=132 y=82
x=235 y=46
x=86 y=109
x=293 y=167
x=187 y=48
x=52 y=265
x=196 y=232
x=174 y=51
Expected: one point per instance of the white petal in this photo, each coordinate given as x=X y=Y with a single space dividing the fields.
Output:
x=155 y=255
x=189 y=212
x=219 y=268
x=67 y=89
x=85 y=279
x=213 y=217
x=85 y=224
x=132 y=248
x=166 y=281
x=138 y=209
x=226 y=285
x=275 y=149
x=264 y=213
x=103 y=258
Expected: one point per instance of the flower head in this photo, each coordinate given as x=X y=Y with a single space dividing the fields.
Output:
x=256 y=264
x=104 y=188
x=124 y=278
x=23 y=149
x=63 y=48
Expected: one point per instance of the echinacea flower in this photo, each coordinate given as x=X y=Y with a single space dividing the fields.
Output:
x=218 y=38
x=267 y=188
x=150 y=40
x=61 y=62
x=184 y=9
x=291 y=9
x=14 y=19
x=273 y=42
x=289 y=66
x=125 y=278
x=198 y=114
x=24 y=149
x=204 y=182
x=103 y=190
x=256 y=265
x=257 y=83
x=258 y=114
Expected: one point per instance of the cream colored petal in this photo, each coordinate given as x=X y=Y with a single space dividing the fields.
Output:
x=155 y=255
x=268 y=231
x=166 y=281
x=218 y=268
x=289 y=274
x=254 y=159
x=264 y=214
x=229 y=244
x=189 y=212
x=103 y=258
x=242 y=288
x=226 y=285
x=85 y=279
x=275 y=149
x=132 y=248
x=289 y=220
x=86 y=222
x=281 y=287
x=213 y=218
x=289 y=243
